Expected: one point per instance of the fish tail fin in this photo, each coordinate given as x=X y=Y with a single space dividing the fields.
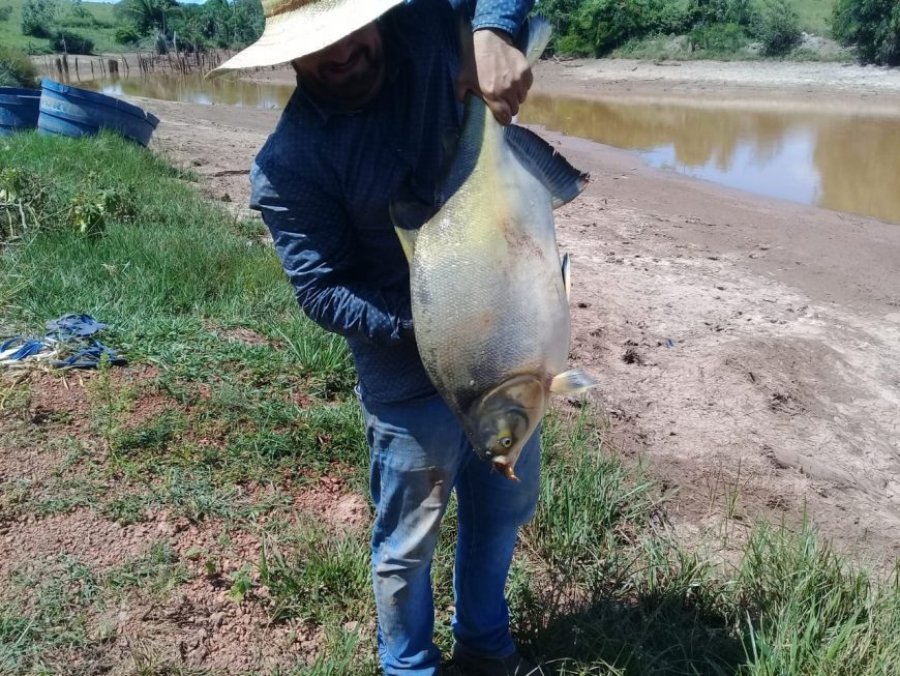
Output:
x=534 y=37
x=572 y=382
x=564 y=181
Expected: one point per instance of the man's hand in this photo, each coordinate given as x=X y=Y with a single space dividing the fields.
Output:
x=501 y=74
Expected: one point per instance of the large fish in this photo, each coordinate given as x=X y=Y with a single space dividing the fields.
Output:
x=489 y=292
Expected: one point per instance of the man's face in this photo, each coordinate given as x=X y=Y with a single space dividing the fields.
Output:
x=349 y=72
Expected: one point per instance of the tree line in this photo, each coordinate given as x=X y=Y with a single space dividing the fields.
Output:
x=162 y=25
x=597 y=27
x=583 y=27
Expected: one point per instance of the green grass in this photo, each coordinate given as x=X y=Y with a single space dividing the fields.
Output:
x=224 y=433
x=101 y=30
x=815 y=15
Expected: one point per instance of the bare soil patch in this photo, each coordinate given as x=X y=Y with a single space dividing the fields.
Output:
x=741 y=341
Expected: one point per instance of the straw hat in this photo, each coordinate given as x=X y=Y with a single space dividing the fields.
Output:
x=295 y=28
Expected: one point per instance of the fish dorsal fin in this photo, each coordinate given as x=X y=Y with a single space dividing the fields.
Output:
x=572 y=382
x=563 y=180
x=567 y=275
x=408 y=216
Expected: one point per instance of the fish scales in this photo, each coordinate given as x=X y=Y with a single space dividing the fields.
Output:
x=498 y=281
x=489 y=292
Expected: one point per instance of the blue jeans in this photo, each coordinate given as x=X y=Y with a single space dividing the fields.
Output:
x=419 y=453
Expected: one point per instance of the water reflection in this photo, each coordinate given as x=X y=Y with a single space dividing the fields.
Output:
x=842 y=162
x=194 y=88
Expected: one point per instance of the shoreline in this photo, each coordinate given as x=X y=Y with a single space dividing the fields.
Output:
x=842 y=88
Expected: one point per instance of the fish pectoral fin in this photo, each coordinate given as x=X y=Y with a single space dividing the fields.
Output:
x=572 y=382
x=564 y=181
x=567 y=275
x=408 y=217
x=408 y=242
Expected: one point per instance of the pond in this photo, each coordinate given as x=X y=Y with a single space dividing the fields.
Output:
x=845 y=162
x=840 y=161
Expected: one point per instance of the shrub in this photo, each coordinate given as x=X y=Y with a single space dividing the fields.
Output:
x=71 y=43
x=779 y=28
x=16 y=69
x=127 y=35
x=5 y=13
x=873 y=26
x=38 y=17
x=600 y=26
x=719 y=38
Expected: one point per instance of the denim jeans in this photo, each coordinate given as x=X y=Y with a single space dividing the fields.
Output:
x=419 y=453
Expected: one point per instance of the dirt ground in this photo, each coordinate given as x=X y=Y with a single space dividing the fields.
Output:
x=749 y=348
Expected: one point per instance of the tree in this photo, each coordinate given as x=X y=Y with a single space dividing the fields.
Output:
x=149 y=16
x=873 y=26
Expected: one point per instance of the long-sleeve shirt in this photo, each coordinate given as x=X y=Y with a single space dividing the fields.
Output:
x=324 y=179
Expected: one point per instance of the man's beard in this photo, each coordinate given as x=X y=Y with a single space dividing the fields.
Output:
x=356 y=86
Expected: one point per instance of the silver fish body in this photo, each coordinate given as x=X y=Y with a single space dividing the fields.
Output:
x=489 y=298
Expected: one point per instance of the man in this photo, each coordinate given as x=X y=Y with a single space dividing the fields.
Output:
x=379 y=91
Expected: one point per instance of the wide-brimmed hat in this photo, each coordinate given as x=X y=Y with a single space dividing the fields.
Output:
x=295 y=28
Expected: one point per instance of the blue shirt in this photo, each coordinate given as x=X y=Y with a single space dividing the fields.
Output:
x=324 y=179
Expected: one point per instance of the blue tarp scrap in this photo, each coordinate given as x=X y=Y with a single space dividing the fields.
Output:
x=69 y=343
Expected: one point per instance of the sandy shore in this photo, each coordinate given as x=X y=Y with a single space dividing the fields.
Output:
x=746 y=346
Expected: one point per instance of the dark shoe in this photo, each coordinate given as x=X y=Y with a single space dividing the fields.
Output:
x=475 y=665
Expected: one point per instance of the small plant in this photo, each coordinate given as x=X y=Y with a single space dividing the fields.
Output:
x=23 y=197
x=16 y=69
x=91 y=206
x=241 y=583
x=109 y=404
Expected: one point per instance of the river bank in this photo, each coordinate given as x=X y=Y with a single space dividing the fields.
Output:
x=748 y=347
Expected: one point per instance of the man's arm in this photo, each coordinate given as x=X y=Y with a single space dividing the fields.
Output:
x=316 y=247
x=502 y=73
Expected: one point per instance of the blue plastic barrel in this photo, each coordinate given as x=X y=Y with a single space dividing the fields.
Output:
x=71 y=111
x=18 y=109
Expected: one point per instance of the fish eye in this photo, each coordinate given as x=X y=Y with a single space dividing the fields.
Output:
x=506 y=442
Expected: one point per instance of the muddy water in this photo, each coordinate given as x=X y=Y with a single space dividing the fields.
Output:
x=845 y=162
x=196 y=89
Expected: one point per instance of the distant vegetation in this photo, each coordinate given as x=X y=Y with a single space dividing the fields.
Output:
x=726 y=28
x=75 y=27
x=873 y=26
x=719 y=29
x=709 y=28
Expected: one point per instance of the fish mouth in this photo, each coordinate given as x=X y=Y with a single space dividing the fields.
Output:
x=504 y=466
